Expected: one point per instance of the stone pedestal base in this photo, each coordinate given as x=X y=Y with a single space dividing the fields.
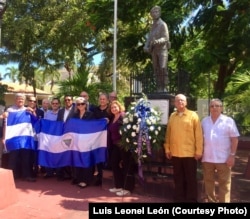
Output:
x=8 y=193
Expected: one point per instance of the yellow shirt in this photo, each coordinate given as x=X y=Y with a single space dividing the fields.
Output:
x=184 y=135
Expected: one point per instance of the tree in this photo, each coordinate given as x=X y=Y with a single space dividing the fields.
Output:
x=224 y=30
x=238 y=97
x=12 y=73
x=213 y=40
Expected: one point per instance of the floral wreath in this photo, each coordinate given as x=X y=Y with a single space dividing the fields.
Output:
x=141 y=131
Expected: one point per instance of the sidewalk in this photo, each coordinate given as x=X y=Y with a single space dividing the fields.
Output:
x=52 y=199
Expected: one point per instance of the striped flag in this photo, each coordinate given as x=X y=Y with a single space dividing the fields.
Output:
x=77 y=142
x=19 y=131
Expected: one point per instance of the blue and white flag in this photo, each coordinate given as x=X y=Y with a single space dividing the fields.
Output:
x=19 y=131
x=77 y=142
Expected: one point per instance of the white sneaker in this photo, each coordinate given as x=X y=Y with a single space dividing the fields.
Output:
x=123 y=193
x=115 y=190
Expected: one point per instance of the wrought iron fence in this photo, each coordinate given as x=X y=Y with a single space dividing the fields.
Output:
x=145 y=82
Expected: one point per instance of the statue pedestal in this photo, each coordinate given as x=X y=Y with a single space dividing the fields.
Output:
x=8 y=193
x=157 y=100
x=163 y=101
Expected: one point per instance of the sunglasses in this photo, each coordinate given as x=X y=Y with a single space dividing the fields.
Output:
x=80 y=104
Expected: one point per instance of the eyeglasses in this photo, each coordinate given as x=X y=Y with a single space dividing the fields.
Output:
x=33 y=101
x=54 y=103
x=80 y=104
x=67 y=100
x=215 y=106
x=113 y=97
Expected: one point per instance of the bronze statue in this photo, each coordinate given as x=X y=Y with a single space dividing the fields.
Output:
x=157 y=45
x=2 y=7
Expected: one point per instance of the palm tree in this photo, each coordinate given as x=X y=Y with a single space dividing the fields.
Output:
x=52 y=75
x=238 y=98
x=81 y=81
x=12 y=73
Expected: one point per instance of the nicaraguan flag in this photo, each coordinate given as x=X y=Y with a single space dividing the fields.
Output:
x=77 y=142
x=19 y=131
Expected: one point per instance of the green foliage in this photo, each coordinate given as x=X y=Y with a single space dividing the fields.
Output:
x=208 y=38
x=3 y=89
x=237 y=98
x=82 y=82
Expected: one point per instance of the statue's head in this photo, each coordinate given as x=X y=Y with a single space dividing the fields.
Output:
x=2 y=6
x=156 y=8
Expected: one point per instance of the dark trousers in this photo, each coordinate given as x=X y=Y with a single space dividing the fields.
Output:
x=185 y=179
x=116 y=168
x=83 y=174
x=128 y=164
x=64 y=172
x=122 y=165
x=99 y=167
x=20 y=161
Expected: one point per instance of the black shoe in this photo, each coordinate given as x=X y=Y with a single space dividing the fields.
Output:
x=46 y=176
x=42 y=170
x=30 y=179
x=60 y=178
x=67 y=177
x=98 y=182
x=74 y=182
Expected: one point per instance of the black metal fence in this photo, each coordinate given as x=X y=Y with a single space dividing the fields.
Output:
x=145 y=82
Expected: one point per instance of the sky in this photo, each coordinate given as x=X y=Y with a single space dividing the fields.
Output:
x=3 y=69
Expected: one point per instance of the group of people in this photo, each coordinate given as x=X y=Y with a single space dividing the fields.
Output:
x=24 y=162
x=188 y=140
x=213 y=140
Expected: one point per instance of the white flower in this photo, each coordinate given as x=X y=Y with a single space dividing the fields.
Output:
x=128 y=126
x=156 y=132
x=133 y=134
x=151 y=128
x=125 y=120
x=148 y=121
x=134 y=127
x=130 y=118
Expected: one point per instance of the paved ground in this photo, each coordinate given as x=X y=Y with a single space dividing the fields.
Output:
x=50 y=199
